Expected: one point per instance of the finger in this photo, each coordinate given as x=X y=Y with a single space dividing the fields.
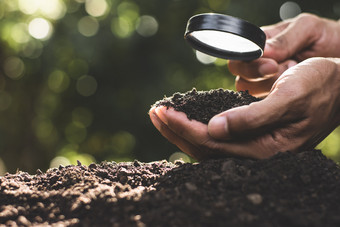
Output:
x=178 y=122
x=250 y=120
x=299 y=34
x=254 y=69
x=273 y=30
x=259 y=148
x=201 y=146
x=262 y=87
x=181 y=143
x=256 y=88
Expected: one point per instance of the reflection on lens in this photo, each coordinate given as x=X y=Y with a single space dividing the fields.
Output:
x=225 y=41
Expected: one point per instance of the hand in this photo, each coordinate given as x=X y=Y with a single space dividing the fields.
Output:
x=279 y=123
x=288 y=43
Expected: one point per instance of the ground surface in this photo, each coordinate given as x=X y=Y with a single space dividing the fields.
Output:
x=286 y=190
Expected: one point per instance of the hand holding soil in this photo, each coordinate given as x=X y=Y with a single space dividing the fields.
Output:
x=301 y=110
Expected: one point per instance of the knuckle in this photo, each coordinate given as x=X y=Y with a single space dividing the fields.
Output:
x=307 y=19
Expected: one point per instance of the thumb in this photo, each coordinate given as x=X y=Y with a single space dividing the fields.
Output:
x=300 y=34
x=249 y=120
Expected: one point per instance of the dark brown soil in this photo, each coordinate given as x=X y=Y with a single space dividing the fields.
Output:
x=286 y=190
x=203 y=105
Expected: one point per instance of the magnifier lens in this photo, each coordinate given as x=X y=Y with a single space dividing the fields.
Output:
x=225 y=37
x=225 y=41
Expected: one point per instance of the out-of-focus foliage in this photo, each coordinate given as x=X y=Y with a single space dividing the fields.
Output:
x=77 y=77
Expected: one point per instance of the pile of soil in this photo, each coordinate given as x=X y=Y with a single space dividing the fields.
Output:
x=285 y=190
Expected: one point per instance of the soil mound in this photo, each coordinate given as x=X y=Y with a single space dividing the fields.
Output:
x=285 y=190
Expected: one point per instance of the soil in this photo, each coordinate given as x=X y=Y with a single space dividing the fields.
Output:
x=203 y=105
x=285 y=190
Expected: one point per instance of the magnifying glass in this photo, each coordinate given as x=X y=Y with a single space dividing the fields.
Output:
x=224 y=36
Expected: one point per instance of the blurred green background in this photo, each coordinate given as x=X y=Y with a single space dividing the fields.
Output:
x=77 y=77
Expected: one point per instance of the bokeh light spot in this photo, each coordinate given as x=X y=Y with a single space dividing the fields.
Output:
x=123 y=142
x=53 y=9
x=88 y=26
x=289 y=10
x=147 y=26
x=43 y=128
x=121 y=27
x=124 y=25
x=179 y=156
x=40 y=28
x=86 y=85
x=58 y=81
x=128 y=10
x=19 y=33
x=28 y=6
x=59 y=160
x=330 y=146
x=204 y=58
x=14 y=67
x=221 y=62
x=72 y=154
x=96 y=8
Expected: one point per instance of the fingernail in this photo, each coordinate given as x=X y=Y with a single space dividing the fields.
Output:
x=218 y=127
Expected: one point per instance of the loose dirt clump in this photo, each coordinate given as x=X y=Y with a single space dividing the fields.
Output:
x=203 y=105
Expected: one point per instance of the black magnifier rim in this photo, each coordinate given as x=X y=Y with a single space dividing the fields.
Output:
x=229 y=24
